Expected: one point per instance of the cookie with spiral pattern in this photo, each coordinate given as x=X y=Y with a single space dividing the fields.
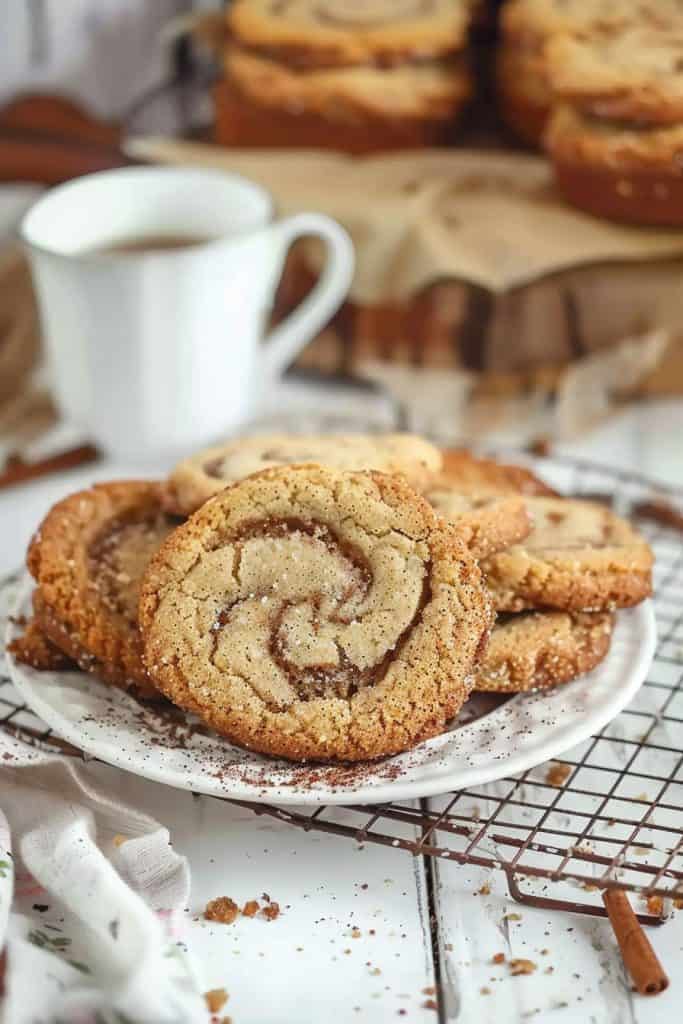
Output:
x=579 y=556
x=333 y=33
x=88 y=557
x=539 y=650
x=316 y=614
x=472 y=474
x=204 y=474
x=487 y=523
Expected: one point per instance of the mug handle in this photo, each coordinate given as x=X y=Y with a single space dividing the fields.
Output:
x=286 y=340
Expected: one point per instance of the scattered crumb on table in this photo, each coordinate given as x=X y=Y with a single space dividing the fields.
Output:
x=521 y=966
x=558 y=773
x=215 y=999
x=222 y=909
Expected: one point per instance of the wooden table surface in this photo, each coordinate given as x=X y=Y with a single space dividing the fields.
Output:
x=372 y=933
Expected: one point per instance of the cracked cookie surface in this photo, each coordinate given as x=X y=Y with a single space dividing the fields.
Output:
x=88 y=557
x=539 y=650
x=578 y=556
x=316 y=614
x=199 y=477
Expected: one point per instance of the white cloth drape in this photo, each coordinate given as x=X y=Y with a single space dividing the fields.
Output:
x=90 y=890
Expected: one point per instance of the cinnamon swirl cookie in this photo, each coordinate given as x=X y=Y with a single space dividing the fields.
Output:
x=626 y=172
x=88 y=557
x=470 y=474
x=632 y=74
x=487 y=523
x=578 y=556
x=538 y=650
x=329 y=33
x=205 y=474
x=316 y=614
x=430 y=91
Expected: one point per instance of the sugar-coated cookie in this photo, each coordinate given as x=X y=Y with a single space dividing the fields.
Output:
x=88 y=557
x=202 y=475
x=579 y=556
x=538 y=650
x=316 y=614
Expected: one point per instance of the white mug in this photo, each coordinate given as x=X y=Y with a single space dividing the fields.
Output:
x=154 y=352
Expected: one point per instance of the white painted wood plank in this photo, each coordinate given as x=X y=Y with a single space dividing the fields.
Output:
x=581 y=974
x=306 y=965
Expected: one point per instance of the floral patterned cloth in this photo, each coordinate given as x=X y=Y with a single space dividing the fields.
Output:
x=90 y=893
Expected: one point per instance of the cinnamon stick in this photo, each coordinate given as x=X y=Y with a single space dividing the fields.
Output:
x=639 y=957
x=19 y=472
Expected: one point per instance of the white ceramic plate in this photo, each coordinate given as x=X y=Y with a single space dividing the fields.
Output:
x=170 y=747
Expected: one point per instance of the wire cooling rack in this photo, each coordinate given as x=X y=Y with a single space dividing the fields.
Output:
x=608 y=815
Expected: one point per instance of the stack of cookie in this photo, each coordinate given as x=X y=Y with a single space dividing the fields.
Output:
x=355 y=75
x=616 y=135
x=527 y=26
x=329 y=598
x=600 y=84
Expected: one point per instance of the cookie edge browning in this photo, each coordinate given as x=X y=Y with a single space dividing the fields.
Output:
x=187 y=480
x=36 y=649
x=504 y=477
x=63 y=582
x=59 y=635
x=456 y=568
x=551 y=663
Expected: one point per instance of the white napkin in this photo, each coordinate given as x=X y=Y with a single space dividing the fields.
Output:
x=91 y=894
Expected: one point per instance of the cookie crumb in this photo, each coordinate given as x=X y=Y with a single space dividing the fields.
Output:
x=512 y=917
x=430 y=1004
x=215 y=999
x=522 y=966
x=485 y=890
x=558 y=773
x=271 y=911
x=119 y=840
x=429 y=990
x=655 y=905
x=485 y=991
x=222 y=909
x=251 y=908
x=498 y=958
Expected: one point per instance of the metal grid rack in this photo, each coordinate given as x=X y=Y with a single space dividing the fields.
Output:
x=615 y=821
